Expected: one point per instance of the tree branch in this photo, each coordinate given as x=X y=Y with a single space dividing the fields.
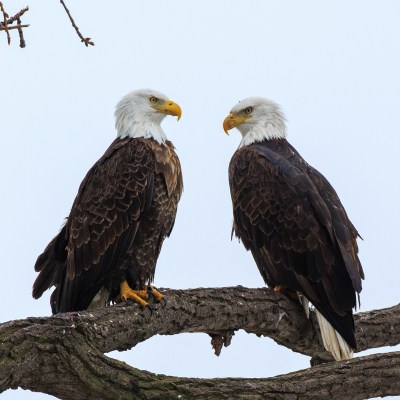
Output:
x=7 y=21
x=87 y=41
x=68 y=349
x=18 y=15
x=22 y=42
x=9 y=28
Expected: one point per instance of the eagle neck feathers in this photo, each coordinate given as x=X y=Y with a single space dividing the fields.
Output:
x=268 y=127
x=141 y=129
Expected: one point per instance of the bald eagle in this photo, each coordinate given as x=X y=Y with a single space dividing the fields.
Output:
x=125 y=208
x=291 y=219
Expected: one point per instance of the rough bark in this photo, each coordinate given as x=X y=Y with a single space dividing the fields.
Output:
x=63 y=355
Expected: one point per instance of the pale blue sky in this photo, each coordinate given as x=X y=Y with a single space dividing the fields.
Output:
x=333 y=66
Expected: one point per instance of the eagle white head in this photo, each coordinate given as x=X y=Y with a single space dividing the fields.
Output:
x=139 y=114
x=257 y=119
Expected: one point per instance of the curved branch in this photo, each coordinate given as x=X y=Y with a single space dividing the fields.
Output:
x=68 y=348
x=74 y=370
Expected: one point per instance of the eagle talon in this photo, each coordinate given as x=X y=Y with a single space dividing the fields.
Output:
x=138 y=296
x=164 y=301
x=151 y=290
x=150 y=308
x=281 y=289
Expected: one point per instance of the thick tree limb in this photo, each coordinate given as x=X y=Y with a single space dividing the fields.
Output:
x=68 y=349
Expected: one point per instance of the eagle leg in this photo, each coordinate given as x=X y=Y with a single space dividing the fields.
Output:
x=139 y=296
x=159 y=296
x=286 y=291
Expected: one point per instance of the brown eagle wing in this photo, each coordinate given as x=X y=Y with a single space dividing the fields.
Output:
x=103 y=222
x=345 y=232
x=282 y=218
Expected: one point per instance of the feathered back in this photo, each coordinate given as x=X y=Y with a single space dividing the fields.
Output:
x=291 y=219
x=135 y=180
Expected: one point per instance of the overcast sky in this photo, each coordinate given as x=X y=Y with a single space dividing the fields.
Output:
x=333 y=66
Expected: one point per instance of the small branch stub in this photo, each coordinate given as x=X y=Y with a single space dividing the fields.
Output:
x=221 y=339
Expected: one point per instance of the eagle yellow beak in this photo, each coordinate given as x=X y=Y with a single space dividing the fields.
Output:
x=170 y=108
x=233 y=120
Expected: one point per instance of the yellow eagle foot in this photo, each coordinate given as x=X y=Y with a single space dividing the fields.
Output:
x=138 y=296
x=286 y=291
x=279 y=288
x=151 y=290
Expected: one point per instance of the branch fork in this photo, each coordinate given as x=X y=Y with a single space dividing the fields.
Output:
x=69 y=349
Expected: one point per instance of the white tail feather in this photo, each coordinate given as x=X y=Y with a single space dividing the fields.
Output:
x=100 y=300
x=304 y=302
x=333 y=341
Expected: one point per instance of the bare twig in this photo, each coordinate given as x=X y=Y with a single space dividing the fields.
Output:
x=7 y=21
x=22 y=43
x=9 y=28
x=87 y=41
x=17 y=16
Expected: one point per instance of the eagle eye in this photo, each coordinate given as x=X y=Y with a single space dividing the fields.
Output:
x=248 y=110
x=153 y=99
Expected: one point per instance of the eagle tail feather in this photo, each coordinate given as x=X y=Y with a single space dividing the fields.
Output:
x=333 y=340
x=304 y=302
x=50 y=264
